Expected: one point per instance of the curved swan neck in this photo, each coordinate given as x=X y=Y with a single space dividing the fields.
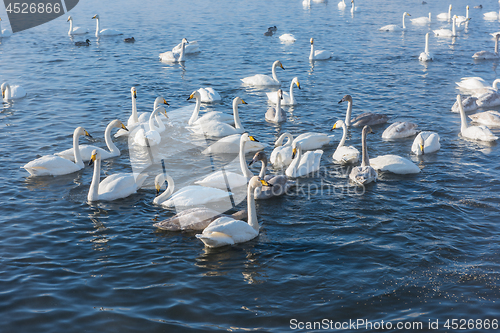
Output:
x=107 y=138
x=430 y=20
x=70 y=27
x=311 y=55
x=7 y=91
x=76 y=149
x=98 y=27
x=454 y=29
x=168 y=191
x=496 y=43
x=243 y=164
x=404 y=27
x=495 y=83
x=463 y=118
x=277 y=116
x=292 y=100
x=344 y=136
x=427 y=43
x=449 y=12
x=134 y=108
x=236 y=115
x=183 y=47
x=252 y=213
x=152 y=118
x=348 y=114
x=365 y=159
x=94 y=185
x=295 y=163
x=196 y=111
x=273 y=70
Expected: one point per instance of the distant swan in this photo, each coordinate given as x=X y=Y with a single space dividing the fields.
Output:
x=231 y=144
x=491 y=16
x=342 y=5
x=276 y=114
x=475 y=86
x=169 y=56
x=287 y=38
x=425 y=143
x=12 y=92
x=489 y=99
x=469 y=104
x=421 y=20
x=395 y=27
x=318 y=54
x=487 y=55
x=4 y=32
x=367 y=118
x=447 y=32
x=463 y=19
x=445 y=16
x=264 y=80
x=75 y=30
x=399 y=130
x=426 y=55
x=116 y=186
x=288 y=98
x=363 y=174
x=303 y=165
x=104 y=32
x=481 y=133
x=189 y=47
x=344 y=154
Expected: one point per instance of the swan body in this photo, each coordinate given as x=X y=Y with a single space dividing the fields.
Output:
x=189 y=48
x=281 y=155
x=395 y=27
x=220 y=129
x=10 y=92
x=487 y=55
x=170 y=56
x=318 y=54
x=287 y=98
x=312 y=140
x=342 y=5
x=445 y=16
x=421 y=20
x=480 y=133
x=4 y=32
x=231 y=145
x=53 y=165
x=426 y=55
x=279 y=183
x=277 y=114
x=447 y=32
x=104 y=32
x=394 y=164
x=488 y=118
x=476 y=86
x=113 y=187
x=264 y=80
x=469 y=104
x=400 y=129
x=195 y=219
x=209 y=95
x=218 y=178
x=365 y=173
x=305 y=164
x=344 y=154
x=425 y=143
x=86 y=151
x=75 y=30
x=208 y=116
x=364 y=119
x=489 y=99
x=187 y=196
x=491 y=16
x=287 y=38
x=148 y=134
x=228 y=231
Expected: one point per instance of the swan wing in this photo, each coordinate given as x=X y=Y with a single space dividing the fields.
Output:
x=51 y=165
x=400 y=129
x=487 y=118
x=369 y=119
x=260 y=80
x=217 y=180
x=345 y=155
x=394 y=164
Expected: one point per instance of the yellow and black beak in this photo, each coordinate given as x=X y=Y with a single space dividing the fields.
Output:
x=334 y=127
x=421 y=148
x=135 y=94
x=92 y=159
x=253 y=139
x=294 y=152
x=124 y=127
x=94 y=16
x=264 y=182
x=3 y=94
x=190 y=97
x=281 y=65
x=243 y=102
x=298 y=84
x=157 y=189
x=87 y=134
x=165 y=102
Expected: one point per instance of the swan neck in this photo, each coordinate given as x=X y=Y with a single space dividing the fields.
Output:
x=76 y=150
x=427 y=43
x=94 y=185
x=365 y=159
x=152 y=118
x=134 y=110
x=196 y=112
x=404 y=27
x=70 y=27
x=277 y=116
x=273 y=70
x=109 y=142
x=311 y=55
x=496 y=45
x=290 y=139
x=168 y=191
x=295 y=163
x=243 y=164
x=252 y=213
x=344 y=136
x=454 y=29
x=181 y=56
x=463 y=118
x=292 y=100
x=236 y=115
x=98 y=27
x=348 y=114
x=263 y=168
x=7 y=90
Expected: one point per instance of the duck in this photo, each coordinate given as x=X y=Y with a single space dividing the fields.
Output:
x=75 y=30
x=421 y=20
x=86 y=151
x=344 y=154
x=197 y=218
x=269 y=32
x=264 y=80
x=231 y=145
x=400 y=129
x=302 y=165
x=480 y=133
x=318 y=54
x=281 y=156
x=287 y=98
x=487 y=55
x=209 y=95
x=11 y=92
x=86 y=43
x=394 y=164
x=4 y=33
x=277 y=114
x=445 y=16
x=189 y=47
x=287 y=38
x=426 y=55
x=365 y=173
x=487 y=118
x=208 y=116
x=425 y=142
x=395 y=27
x=447 y=32
x=113 y=187
x=147 y=134
x=279 y=183
x=170 y=56
x=129 y=40
x=53 y=165
x=104 y=32
x=367 y=118
x=228 y=231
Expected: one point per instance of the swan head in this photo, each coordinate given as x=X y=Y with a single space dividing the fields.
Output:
x=296 y=147
x=160 y=100
x=81 y=131
x=195 y=94
x=69 y=18
x=247 y=137
x=238 y=100
x=96 y=155
x=119 y=124
x=5 y=85
x=162 y=110
x=338 y=124
x=259 y=156
x=296 y=81
x=185 y=41
x=280 y=94
x=406 y=14
x=367 y=130
x=159 y=181
x=134 y=92
x=95 y=17
x=277 y=63
x=346 y=98
x=421 y=143
x=256 y=181
x=449 y=8
x=312 y=41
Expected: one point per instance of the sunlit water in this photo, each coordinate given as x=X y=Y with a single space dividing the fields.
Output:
x=410 y=248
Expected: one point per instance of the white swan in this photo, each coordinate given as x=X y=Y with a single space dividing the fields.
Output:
x=170 y=56
x=426 y=55
x=445 y=16
x=395 y=164
x=87 y=150
x=264 y=80
x=425 y=143
x=4 y=32
x=209 y=95
x=228 y=231
x=481 y=133
x=53 y=165
x=469 y=104
x=75 y=30
x=191 y=195
x=218 y=178
x=353 y=7
x=367 y=118
x=491 y=16
x=219 y=129
x=318 y=54
x=12 y=92
x=342 y=5
x=363 y=174
x=287 y=38
x=231 y=145
x=313 y=140
x=463 y=19
x=189 y=48
x=476 y=86
x=281 y=156
x=303 y=165
x=489 y=99
x=136 y=119
x=279 y=183
x=197 y=218
x=421 y=20
x=288 y=98
x=400 y=129
x=276 y=114
x=104 y=32
x=487 y=55
x=344 y=154
x=208 y=116
x=488 y=118
x=117 y=186
x=395 y=27
x=447 y=32
x=148 y=134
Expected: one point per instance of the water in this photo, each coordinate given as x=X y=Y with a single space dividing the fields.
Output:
x=413 y=248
